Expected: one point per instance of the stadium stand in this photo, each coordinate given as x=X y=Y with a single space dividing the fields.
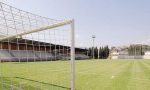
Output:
x=24 y=55
x=81 y=56
x=44 y=55
x=5 y=55
x=46 y=51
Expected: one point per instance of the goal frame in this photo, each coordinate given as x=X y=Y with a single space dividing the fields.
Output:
x=72 y=40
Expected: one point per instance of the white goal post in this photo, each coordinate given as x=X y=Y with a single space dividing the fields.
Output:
x=58 y=24
x=25 y=33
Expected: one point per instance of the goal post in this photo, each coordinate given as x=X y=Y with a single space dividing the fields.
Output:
x=72 y=56
x=71 y=22
x=35 y=52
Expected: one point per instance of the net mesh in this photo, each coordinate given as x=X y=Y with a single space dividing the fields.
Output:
x=27 y=58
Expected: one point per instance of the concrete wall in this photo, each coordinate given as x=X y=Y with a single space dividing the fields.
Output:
x=128 y=57
x=146 y=57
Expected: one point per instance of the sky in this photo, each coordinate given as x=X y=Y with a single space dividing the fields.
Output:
x=113 y=22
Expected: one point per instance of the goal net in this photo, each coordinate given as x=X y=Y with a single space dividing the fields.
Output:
x=35 y=51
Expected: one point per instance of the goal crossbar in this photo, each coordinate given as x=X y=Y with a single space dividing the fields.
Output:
x=57 y=24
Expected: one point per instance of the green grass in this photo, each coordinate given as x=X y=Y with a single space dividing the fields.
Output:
x=90 y=75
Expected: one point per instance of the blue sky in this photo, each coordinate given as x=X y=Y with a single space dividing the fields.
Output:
x=114 y=22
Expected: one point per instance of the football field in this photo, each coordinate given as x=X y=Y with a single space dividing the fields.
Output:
x=90 y=75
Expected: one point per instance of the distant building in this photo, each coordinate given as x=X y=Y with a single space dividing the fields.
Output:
x=146 y=55
x=114 y=55
x=119 y=55
x=127 y=52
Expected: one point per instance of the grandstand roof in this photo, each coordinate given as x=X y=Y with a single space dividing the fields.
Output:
x=37 y=43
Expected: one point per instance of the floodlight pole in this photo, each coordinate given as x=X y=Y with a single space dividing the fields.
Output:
x=93 y=37
x=72 y=56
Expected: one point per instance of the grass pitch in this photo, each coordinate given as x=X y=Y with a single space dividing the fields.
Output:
x=90 y=75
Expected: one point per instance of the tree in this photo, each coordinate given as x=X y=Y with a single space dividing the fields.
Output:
x=90 y=52
x=103 y=52
x=100 y=53
x=96 y=53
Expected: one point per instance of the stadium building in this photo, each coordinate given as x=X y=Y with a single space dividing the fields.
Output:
x=19 y=49
x=134 y=51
